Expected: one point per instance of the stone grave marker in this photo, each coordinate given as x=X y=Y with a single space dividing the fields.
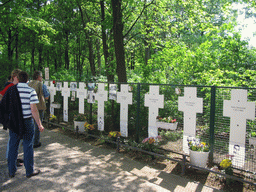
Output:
x=124 y=98
x=52 y=91
x=66 y=94
x=154 y=101
x=81 y=95
x=101 y=96
x=239 y=110
x=190 y=104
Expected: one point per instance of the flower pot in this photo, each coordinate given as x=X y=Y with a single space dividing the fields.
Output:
x=252 y=141
x=198 y=158
x=165 y=125
x=80 y=125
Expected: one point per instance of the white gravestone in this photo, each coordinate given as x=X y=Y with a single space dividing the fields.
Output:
x=154 y=101
x=66 y=94
x=81 y=95
x=238 y=109
x=190 y=105
x=52 y=91
x=101 y=96
x=124 y=98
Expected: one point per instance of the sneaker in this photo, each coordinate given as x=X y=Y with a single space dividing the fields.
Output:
x=11 y=176
x=37 y=145
x=36 y=172
x=20 y=162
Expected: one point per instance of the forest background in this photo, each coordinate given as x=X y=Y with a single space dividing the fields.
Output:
x=189 y=42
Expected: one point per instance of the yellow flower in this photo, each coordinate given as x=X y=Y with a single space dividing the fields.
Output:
x=225 y=163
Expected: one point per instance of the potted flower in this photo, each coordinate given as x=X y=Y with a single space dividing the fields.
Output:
x=198 y=152
x=226 y=165
x=252 y=139
x=167 y=123
x=79 y=121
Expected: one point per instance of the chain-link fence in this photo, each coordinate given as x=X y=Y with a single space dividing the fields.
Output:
x=211 y=125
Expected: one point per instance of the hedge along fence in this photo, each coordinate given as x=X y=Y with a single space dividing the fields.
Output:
x=211 y=125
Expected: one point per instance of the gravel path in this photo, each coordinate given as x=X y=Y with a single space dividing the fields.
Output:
x=72 y=165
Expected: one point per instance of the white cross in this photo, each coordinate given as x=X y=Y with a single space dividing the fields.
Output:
x=66 y=94
x=238 y=109
x=52 y=91
x=190 y=105
x=81 y=95
x=154 y=101
x=101 y=96
x=124 y=98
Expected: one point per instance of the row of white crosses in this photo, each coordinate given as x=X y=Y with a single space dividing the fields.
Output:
x=123 y=97
x=238 y=109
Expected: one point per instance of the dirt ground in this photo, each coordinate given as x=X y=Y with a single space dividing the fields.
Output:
x=168 y=166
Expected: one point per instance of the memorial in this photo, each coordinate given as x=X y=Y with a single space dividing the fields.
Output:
x=239 y=110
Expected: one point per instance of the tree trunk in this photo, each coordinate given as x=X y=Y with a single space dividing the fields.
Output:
x=40 y=58
x=98 y=55
x=118 y=40
x=66 y=51
x=17 y=50
x=9 y=47
x=32 y=58
x=108 y=65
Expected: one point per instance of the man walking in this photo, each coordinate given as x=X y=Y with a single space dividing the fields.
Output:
x=42 y=95
x=16 y=110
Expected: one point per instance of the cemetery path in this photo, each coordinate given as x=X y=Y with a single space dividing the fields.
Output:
x=68 y=164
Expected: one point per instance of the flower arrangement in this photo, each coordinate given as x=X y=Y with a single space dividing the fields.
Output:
x=89 y=127
x=80 y=117
x=167 y=119
x=150 y=143
x=197 y=145
x=52 y=117
x=114 y=134
x=226 y=164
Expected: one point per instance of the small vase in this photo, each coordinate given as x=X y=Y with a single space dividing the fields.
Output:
x=80 y=125
x=198 y=158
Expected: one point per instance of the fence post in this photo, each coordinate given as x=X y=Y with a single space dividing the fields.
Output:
x=138 y=114
x=212 y=121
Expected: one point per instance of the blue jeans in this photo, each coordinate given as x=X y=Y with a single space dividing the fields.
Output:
x=37 y=132
x=14 y=141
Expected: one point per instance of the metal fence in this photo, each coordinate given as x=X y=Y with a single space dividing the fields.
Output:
x=211 y=125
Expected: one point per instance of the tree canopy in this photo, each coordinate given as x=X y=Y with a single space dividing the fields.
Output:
x=153 y=41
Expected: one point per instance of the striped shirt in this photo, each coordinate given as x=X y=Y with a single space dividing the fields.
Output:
x=27 y=96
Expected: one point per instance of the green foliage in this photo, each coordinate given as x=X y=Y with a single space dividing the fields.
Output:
x=171 y=135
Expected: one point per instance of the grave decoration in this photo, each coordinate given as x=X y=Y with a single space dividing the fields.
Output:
x=112 y=92
x=91 y=93
x=154 y=101
x=239 y=110
x=73 y=89
x=198 y=152
x=79 y=121
x=125 y=99
x=190 y=105
x=166 y=123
